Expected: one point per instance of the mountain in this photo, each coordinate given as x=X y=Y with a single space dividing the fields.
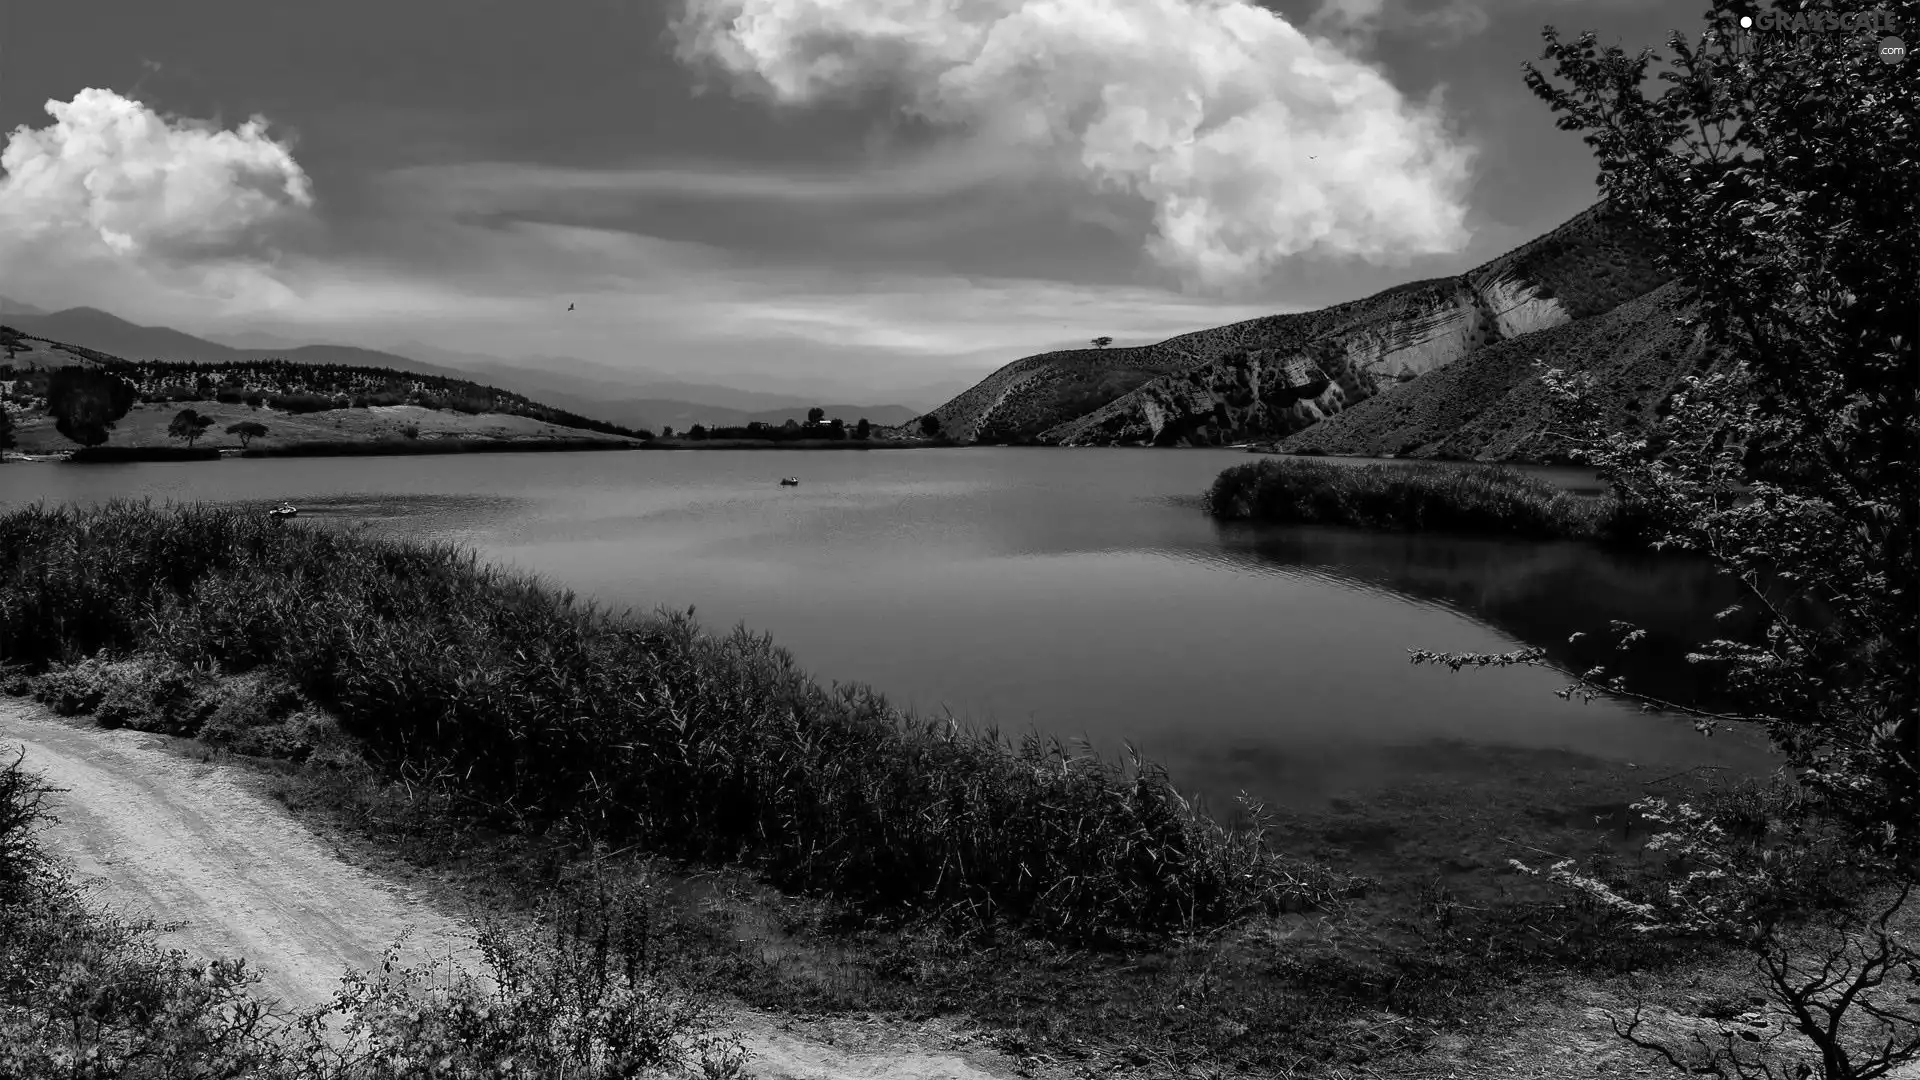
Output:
x=1270 y=377
x=108 y=333
x=254 y=340
x=10 y=307
x=633 y=399
x=639 y=388
x=315 y=406
x=1488 y=405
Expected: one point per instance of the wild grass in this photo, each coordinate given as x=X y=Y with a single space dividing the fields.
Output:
x=637 y=730
x=395 y=447
x=1478 y=499
x=585 y=995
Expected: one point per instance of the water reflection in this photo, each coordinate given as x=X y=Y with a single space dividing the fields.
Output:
x=1540 y=594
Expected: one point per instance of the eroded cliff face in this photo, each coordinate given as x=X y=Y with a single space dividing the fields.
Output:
x=1271 y=393
x=1588 y=266
x=1271 y=377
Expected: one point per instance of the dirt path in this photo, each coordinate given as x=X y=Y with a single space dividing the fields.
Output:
x=155 y=833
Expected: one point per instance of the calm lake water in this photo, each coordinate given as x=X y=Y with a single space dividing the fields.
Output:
x=1081 y=592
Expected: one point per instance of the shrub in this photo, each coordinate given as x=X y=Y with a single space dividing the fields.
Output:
x=633 y=730
x=1425 y=497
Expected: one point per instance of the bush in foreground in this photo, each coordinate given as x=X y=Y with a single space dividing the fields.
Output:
x=1426 y=498
x=85 y=994
x=635 y=729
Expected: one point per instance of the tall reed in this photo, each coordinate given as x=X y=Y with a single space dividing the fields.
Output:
x=636 y=728
x=1483 y=499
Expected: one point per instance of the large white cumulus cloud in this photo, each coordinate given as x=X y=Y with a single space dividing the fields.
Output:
x=1251 y=141
x=112 y=184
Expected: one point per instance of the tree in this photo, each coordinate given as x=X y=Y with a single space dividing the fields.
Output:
x=85 y=402
x=189 y=425
x=863 y=430
x=1101 y=342
x=930 y=425
x=815 y=416
x=837 y=429
x=6 y=430
x=666 y=431
x=247 y=430
x=697 y=431
x=1778 y=183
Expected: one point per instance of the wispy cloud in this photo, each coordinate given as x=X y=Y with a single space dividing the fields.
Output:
x=1437 y=23
x=517 y=187
x=168 y=220
x=1251 y=141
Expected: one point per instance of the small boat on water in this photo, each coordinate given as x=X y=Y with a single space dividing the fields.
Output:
x=284 y=510
x=791 y=481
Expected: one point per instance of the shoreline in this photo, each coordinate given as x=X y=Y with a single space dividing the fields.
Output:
x=652 y=796
x=105 y=455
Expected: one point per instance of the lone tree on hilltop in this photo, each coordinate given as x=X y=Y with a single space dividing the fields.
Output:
x=247 y=430
x=930 y=425
x=189 y=425
x=1102 y=342
x=85 y=402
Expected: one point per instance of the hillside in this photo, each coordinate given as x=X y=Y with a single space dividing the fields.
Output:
x=618 y=396
x=298 y=403
x=1488 y=405
x=1274 y=376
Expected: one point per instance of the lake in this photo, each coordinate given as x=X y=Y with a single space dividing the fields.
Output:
x=1081 y=592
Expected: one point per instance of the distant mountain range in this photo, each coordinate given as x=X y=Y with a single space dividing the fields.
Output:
x=1436 y=368
x=601 y=391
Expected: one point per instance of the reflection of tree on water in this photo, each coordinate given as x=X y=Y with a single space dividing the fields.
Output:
x=1538 y=593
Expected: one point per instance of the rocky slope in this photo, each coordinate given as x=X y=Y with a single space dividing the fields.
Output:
x=1275 y=376
x=1489 y=404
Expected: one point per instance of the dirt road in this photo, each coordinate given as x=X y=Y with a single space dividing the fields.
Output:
x=196 y=844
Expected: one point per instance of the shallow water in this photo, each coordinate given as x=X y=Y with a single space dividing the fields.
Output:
x=1081 y=592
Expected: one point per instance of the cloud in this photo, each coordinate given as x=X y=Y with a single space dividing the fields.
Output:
x=1251 y=141
x=113 y=187
x=520 y=187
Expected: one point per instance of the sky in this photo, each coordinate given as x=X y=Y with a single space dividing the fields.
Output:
x=876 y=198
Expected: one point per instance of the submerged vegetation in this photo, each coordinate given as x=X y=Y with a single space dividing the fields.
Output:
x=1480 y=499
x=637 y=729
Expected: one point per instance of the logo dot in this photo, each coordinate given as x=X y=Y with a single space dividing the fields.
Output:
x=1746 y=22
x=1893 y=50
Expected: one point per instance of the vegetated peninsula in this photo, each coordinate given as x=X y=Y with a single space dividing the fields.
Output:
x=1572 y=298
x=167 y=409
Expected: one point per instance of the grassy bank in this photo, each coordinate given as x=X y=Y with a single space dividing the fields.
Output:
x=104 y=455
x=1475 y=499
x=402 y=447
x=678 y=443
x=636 y=730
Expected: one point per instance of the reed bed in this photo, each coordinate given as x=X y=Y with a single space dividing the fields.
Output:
x=1479 y=499
x=638 y=729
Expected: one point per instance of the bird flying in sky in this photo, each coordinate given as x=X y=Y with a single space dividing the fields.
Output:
x=569 y=307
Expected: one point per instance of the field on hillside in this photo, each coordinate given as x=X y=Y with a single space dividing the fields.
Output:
x=146 y=425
